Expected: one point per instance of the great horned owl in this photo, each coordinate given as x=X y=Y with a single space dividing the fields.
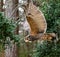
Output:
x=35 y=19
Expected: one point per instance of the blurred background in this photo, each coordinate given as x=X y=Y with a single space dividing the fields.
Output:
x=13 y=9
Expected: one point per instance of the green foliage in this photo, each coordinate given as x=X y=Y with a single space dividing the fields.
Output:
x=7 y=28
x=48 y=49
x=51 y=10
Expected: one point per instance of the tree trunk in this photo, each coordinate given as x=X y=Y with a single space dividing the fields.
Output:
x=1 y=5
x=16 y=14
x=9 y=8
x=11 y=4
x=1 y=49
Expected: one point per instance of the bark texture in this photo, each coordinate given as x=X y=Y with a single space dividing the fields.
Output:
x=1 y=5
x=11 y=13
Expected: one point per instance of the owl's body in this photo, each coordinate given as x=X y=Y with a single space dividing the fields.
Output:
x=36 y=19
x=37 y=24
